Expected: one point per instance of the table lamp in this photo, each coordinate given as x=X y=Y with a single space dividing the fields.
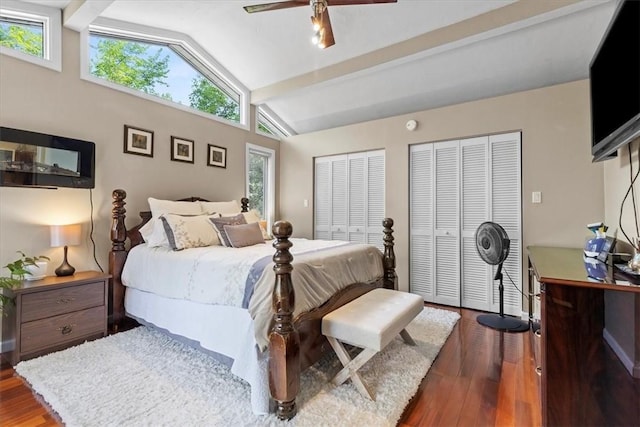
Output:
x=65 y=235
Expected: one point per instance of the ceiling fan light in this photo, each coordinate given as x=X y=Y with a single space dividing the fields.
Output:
x=316 y=23
x=315 y=39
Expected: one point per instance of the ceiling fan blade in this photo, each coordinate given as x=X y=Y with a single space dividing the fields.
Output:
x=350 y=2
x=327 y=39
x=275 y=6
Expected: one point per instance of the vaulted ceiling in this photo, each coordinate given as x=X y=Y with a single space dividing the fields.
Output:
x=388 y=59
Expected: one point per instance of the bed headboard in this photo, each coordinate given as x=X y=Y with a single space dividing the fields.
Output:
x=133 y=234
x=119 y=250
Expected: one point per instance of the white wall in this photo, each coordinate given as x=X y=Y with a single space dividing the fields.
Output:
x=41 y=100
x=555 y=154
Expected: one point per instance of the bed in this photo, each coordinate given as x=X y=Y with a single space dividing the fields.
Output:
x=268 y=350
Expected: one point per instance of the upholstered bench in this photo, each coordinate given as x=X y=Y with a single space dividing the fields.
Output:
x=369 y=322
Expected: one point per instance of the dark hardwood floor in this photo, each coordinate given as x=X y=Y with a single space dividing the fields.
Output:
x=480 y=378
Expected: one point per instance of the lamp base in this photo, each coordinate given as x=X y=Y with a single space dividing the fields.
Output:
x=65 y=268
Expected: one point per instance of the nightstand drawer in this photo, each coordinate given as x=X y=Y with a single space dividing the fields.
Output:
x=39 y=305
x=59 y=329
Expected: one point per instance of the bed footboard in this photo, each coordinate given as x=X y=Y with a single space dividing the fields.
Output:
x=284 y=339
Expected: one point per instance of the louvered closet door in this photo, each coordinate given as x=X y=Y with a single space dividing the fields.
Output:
x=339 y=199
x=375 y=197
x=476 y=286
x=322 y=199
x=357 y=197
x=349 y=197
x=446 y=227
x=421 y=221
x=505 y=210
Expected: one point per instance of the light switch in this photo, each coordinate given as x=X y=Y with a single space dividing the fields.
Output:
x=305 y=203
x=536 y=197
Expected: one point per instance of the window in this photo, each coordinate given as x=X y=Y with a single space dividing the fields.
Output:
x=269 y=124
x=166 y=69
x=32 y=33
x=261 y=181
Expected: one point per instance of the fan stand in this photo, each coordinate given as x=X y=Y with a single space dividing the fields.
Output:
x=501 y=322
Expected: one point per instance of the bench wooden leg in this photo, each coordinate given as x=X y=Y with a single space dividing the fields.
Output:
x=351 y=366
x=406 y=337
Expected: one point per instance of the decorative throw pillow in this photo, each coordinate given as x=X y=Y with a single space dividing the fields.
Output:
x=244 y=234
x=224 y=208
x=185 y=232
x=219 y=223
x=153 y=231
x=253 y=216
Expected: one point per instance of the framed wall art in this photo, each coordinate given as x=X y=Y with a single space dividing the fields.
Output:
x=138 y=141
x=181 y=149
x=216 y=156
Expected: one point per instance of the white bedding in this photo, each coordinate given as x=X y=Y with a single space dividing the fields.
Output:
x=217 y=275
x=198 y=293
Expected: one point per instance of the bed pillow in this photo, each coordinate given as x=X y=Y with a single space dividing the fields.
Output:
x=253 y=216
x=159 y=207
x=219 y=223
x=224 y=208
x=153 y=231
x=184 y=232
x=243 y=235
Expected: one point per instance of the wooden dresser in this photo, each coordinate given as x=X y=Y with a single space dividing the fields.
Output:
x=577 y=385
x=55 y=313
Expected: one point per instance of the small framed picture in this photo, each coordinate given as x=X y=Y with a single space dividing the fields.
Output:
x=138 y=141
x=181 y=149
x=216 y=156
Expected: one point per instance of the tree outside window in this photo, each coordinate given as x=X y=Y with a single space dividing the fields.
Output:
x=23 y=36
x=156 y=69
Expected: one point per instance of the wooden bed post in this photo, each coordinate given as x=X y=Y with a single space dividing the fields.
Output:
x=284 y=341
x=389 y=256
x=245 y=204
x=117 y=257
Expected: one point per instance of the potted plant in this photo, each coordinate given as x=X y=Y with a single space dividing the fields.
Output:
x=24 y=268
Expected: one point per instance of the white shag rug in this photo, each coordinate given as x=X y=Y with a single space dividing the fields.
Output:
x=144 y=378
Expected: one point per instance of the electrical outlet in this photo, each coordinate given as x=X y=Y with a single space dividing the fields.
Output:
x=305 y=203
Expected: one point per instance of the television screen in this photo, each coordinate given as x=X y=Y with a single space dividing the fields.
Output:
x=615 y=83
x=40 y=160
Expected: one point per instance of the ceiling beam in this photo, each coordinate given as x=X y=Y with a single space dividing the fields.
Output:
x=506 y=15
x=79 y=14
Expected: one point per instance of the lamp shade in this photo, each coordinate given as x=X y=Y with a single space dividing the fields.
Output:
x=65 y=235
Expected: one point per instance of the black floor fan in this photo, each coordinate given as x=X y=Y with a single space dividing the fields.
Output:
x=492 y=243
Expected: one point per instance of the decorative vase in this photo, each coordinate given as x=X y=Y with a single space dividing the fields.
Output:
x=36 y=272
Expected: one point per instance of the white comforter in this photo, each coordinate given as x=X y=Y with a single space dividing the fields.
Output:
x=217 y=275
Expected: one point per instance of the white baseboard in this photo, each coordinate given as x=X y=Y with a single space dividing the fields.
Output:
x=624 y=357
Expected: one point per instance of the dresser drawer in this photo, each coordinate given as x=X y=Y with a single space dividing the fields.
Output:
x=39 y=305
x=59 y=329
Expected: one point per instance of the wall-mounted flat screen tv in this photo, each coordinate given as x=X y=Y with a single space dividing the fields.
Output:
x=32 y=159
x=615 y=83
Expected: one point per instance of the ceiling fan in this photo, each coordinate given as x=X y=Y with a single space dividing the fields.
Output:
x=323 y=33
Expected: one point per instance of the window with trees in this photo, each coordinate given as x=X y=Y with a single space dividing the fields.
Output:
x=168 y=70
x=32 y=33
x=268 y=124
x=261 y=180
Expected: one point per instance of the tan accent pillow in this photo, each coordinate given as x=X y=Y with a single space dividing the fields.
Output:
x=244 y=234
x=253 y=216
x=219 y=223
x=185 y=232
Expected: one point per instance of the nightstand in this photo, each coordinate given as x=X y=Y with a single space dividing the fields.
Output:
x=54 y=313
